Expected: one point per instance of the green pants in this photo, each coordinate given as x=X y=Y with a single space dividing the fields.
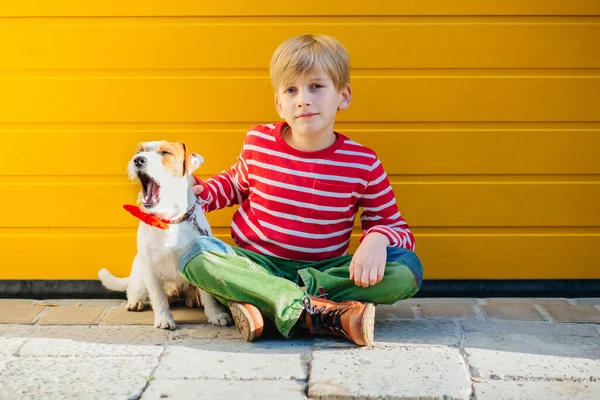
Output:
x=273 y=284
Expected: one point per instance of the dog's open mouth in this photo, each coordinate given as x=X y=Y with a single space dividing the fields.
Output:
x=151 y=190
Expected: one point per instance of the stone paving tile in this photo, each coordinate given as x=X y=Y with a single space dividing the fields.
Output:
x=202 y=331
x=73 y=315
x=81 y=302
x=185 y=315
x=589 y=300
x=525 y=300
x=422 y=332
x=76 y=378
x=107 y=334
x=512 y=365
x=390 y=372
x=442 y=301
x=498 y=327
x=181 y=315
x=520 y=312
x=236 y=360
x=120 y=316
x=567 y=344
x=14 y=302
x=525 y=390
x=16 y=330
x=83 y=348
x=11 y=313
x=393 y=313
x=214 y=389
x=447 y=311
x=573 y=313
x=540 y=352
x=8 y=346
x=4 y=360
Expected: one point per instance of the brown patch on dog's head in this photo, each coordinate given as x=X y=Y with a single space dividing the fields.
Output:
x=178 y=158
x=173 y=157
x=144 y=146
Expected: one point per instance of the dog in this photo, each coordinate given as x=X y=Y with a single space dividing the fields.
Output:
x=170 y=219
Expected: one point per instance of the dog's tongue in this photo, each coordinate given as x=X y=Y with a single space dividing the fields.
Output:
x=151 y=192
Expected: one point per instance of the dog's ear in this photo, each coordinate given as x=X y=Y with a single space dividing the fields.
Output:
x=191 y=162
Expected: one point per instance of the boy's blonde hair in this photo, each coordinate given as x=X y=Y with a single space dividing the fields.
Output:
x=302 y=54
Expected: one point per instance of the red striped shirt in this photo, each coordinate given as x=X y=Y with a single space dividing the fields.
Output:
x=301 y=205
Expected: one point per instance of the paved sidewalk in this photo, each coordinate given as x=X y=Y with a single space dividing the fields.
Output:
x=425 y=349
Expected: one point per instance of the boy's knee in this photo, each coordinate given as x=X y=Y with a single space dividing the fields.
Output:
x=409 y=259
x=200 y=245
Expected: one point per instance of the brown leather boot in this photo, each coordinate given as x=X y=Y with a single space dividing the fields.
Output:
x=350 y=319
x=248 y=320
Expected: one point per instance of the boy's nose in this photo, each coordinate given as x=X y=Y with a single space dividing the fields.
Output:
x=303 y=102
x=303 y=99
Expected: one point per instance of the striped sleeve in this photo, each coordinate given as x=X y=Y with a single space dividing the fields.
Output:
x=227 y=188
x=380 y=212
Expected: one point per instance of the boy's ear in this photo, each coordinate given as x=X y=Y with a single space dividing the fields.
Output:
x=346 y=97
x=278 y=107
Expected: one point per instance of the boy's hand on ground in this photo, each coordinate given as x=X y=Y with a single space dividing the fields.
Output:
x=368 y=263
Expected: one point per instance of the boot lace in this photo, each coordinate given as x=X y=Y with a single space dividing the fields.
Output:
x=325 y=320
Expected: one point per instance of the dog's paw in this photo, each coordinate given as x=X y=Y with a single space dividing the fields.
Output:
x=165 y=322
x=135 y=306
x=219 y=318
x=191 y=303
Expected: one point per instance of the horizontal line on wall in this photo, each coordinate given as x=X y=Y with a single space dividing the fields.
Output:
x=306 y=20
x=224 y=231
x=116 y=180
x=566 y=179
x=242 y=127
x=259 y=73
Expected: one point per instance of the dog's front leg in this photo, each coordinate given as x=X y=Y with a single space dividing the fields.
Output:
x=213 y=311
x=137 y=294
x=160 y=303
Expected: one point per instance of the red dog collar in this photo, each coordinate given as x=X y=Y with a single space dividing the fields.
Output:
x=153 y=220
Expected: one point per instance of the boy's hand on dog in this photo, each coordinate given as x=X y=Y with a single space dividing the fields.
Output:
x=198 y=189
x=368 y=263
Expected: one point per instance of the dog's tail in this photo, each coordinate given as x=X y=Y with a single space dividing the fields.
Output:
x=112 y=282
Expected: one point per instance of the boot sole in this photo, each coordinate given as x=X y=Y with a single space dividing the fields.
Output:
x=250 y=327
x=367 y=328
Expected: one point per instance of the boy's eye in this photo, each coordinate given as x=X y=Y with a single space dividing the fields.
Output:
x=317 y=86
x=289 y=90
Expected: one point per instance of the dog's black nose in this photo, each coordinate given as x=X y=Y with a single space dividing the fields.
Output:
x=139 y=161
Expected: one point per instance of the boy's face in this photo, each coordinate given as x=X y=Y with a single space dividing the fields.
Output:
x=310 y=103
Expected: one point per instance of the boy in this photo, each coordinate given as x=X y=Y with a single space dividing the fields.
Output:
x=299 y=185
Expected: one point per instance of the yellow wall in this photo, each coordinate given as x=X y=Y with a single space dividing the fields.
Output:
x=486 y=115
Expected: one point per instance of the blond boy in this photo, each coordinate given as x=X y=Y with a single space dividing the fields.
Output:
x=299 y=185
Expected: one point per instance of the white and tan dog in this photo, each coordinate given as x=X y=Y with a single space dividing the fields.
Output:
x=165 y=171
